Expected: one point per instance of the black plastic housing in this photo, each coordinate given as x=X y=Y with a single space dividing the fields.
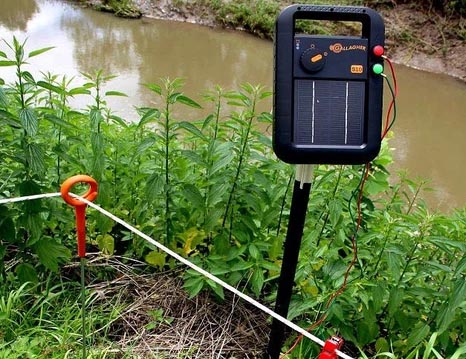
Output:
x=314 y=73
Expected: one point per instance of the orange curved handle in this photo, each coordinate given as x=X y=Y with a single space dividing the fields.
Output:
x=80 y=207
x=90 y=195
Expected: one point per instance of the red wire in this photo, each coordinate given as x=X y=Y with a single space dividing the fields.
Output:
x=392 y=70
x=348 y=270
x=392 y=102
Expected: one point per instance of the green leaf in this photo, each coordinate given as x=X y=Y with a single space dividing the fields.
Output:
x=156 y=259
x=50 y=87
x=106 y=243
x=193 y=156
x=146 y=143
x=207 y=120
x=429 y=346
x=459 y=294
x=28 y=77
x=97 y=143
x=218 y=290
x=265 y=94
x=192 y=194
x=35 y=158
x=418 y=334
x=154 y=88
x=459 y=353
x=367 y=329
x=115 y=93
x=149 y=115
x=118 y=120
x=191 y=129
x=59 y=122
x=394 y=301
x=7 y=63
x=217 y=192
x=51 y=253
x=7 y=229
x=212 y=219
x=335 y=210
x=40 y=51
x=9 y=119
x=257 y=281
x=187 y=101
x=240 y=266
x=29 y=121
x=26 y=273
x=79 y=91
x=394 y=263
x=194 y=285
x=2 y=54
x=444 y=317
x=381 y=345
x=461 y=266
x=254 y=251
x=96 y=118
x=154 y=185
x=222 y=162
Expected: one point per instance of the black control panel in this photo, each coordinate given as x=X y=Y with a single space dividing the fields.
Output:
x=328 y=89
x=326 y=57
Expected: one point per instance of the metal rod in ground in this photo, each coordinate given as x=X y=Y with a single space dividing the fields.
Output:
x=83 y=307
x=294 y=234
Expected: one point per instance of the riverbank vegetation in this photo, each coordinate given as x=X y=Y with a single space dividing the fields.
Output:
x=212 y=191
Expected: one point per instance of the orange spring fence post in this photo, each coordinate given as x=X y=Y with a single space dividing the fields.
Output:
x=80 y=207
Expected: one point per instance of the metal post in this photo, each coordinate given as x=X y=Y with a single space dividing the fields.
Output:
x=299 y=202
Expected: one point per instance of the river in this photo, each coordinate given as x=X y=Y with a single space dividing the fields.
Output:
x=431 y=123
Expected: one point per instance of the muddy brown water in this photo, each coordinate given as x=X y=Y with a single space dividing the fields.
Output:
x=431 y=124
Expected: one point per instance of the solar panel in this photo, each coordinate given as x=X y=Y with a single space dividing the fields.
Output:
x=328 y=113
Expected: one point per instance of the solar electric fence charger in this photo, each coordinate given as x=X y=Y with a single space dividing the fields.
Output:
x=328 y=89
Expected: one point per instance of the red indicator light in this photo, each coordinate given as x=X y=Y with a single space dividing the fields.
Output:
x=378 y=50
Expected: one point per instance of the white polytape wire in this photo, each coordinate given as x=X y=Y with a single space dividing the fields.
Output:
x=29 y=198
x=210 y=276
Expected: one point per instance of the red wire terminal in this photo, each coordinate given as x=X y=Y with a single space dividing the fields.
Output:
x=329 y=350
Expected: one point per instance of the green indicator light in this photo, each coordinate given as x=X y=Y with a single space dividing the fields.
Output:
x=377 y=69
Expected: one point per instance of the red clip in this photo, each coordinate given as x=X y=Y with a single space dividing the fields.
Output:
x=329 y=350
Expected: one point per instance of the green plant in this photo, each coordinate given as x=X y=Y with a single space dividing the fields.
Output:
x=44 y=320
x=26 y=154
x=157 y=318
x=213 y=191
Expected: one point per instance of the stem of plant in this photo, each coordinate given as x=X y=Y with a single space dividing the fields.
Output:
x=240 y=163
x=167 y=177
x=211 y=148
x=282 y=207
x=83 y=306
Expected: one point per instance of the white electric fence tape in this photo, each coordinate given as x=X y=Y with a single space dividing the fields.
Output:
x=187 y=263
x=29 y=198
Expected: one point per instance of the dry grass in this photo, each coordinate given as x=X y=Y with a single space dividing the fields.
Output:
x=201 y=327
